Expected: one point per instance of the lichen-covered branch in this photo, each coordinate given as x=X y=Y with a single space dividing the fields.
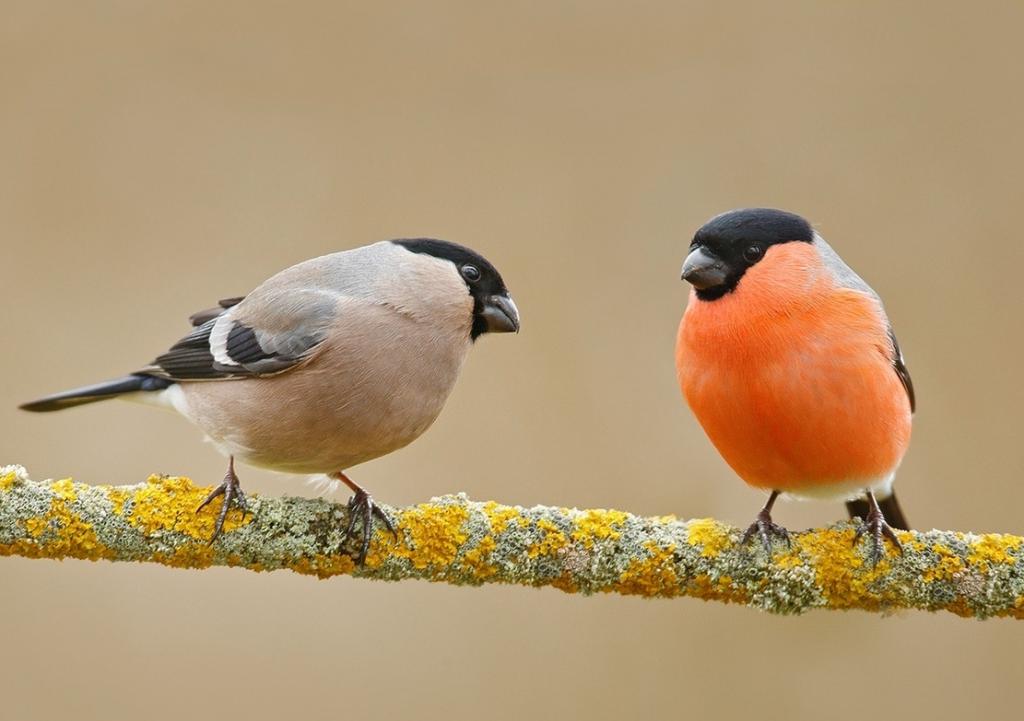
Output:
x=463 y=542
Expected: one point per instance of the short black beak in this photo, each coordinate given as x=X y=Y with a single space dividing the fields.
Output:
x=703 y=270
x=500 y=314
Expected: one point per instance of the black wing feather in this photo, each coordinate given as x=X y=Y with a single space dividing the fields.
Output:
x=190 y=358
x=244 y=347
x=197 y=319
x=249 y=351
x=902 y=371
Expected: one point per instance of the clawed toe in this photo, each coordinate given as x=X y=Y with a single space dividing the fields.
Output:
x=875 y=524
x=877 y=527
x=361 y=507
x=765 y=528
x=231 y=489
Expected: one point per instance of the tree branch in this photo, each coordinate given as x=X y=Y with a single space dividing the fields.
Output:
x=462 y=542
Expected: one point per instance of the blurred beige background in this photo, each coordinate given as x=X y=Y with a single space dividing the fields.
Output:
x=155 y=157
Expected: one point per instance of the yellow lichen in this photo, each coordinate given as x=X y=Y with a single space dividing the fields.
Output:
x=435 y=534
x=500 y=516
x=8 y=480
x=24 y=548
x=712 y=536
x=477 y=558
x=37 y=526
x=912 y=544
x=842 y=574
x=61 y=532
x=947 y=565
x=78 y=540
x=704 y=587
x=118 y=497
x=65 y=490
x=961 y=608
x=189 y=555
x=654 y=575
x=324 y=566
x=790 y=559
x=993 y=548
x=552 y=542
x=382 y=545
x=565 y=583
x=597 y=524
x=169 y=503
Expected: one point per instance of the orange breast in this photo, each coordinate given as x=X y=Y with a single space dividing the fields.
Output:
x=792 y=380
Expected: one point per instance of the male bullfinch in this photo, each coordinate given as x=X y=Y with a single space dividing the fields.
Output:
x=330 y=363
x=790 y=364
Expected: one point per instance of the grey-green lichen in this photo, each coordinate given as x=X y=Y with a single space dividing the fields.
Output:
x=458 y=541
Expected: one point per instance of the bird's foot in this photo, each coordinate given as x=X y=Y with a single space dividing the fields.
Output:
x=765 y=528
x=362 y=507
x=877 y=527
x=231 y=489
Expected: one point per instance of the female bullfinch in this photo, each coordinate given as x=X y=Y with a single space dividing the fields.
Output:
x=330 y=363
x=790 y=364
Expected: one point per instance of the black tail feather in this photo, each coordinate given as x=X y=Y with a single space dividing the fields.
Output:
x=890 y=509
x=98 y=392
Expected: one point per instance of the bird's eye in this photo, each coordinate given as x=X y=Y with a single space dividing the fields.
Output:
x=753 y=253
x=471 y=273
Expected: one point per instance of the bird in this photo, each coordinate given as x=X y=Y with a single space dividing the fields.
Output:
x=790 y=364
x=328 y=364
